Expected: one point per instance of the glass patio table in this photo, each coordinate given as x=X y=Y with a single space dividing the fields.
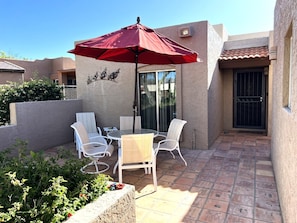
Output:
x=117 y=134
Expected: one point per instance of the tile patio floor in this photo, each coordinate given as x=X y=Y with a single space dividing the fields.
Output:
x=231 y=182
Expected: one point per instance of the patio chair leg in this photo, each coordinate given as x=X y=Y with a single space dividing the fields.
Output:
x=182 y=157
x=172 y=154
x=154 y=177
x=115 y=167
x=96 y=164
x=120 y=175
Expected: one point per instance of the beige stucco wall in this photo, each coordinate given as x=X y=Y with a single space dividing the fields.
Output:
x=270 y=87
x=215 y=85
x=59 y=64
x=62 y=63
x=194 y=85
x=11 y=77
x=228 y=99
x=284 y=120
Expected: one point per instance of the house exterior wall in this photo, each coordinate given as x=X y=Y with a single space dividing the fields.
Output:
x=270 y=87
x=204 y=92
x=215 y=112
x=111 y=99
x=59 y=64
x=284 y=120
x=10 y=76
x=192 y=85
x=228 y=99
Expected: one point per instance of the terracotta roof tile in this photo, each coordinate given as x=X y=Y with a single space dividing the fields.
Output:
x=245 y=53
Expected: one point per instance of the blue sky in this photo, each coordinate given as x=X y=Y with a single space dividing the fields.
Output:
x=38 y=29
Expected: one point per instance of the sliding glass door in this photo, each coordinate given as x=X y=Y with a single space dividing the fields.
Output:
x=157 y=99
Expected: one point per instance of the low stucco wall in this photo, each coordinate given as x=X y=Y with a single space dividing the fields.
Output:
x=43 y=124
x=113 y=206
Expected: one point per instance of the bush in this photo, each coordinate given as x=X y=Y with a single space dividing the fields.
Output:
x=35 y=188
x=34 y=90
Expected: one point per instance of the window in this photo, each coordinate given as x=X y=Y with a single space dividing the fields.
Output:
x=157 y=99
x=71 y=81
x=287 y=72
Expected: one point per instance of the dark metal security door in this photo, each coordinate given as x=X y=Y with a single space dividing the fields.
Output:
x=249 y=99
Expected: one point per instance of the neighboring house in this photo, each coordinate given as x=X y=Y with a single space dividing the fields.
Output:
x=61 y=70
x=229 y=90
x=10 y=72
x=284 y=116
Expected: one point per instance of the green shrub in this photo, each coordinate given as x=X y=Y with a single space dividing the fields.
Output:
x=34 y=90
x=36 y=188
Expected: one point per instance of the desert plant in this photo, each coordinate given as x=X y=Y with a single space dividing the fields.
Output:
x=36 y=188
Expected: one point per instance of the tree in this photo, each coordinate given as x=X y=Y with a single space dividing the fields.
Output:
x=34 y=90
x=4 y=55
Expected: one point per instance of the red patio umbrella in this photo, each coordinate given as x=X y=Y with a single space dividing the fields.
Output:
x=136 y=44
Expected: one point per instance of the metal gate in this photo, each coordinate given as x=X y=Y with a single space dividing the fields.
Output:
x=249 y=99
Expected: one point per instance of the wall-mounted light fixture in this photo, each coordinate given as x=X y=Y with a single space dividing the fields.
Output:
x=273 y=53
x=185 y=31
x=266 y=71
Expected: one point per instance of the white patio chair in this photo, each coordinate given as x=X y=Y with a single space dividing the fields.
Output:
x=137 y=152
x=93 y=150
x=171 y=141
x=89 y=122
x=126 y=122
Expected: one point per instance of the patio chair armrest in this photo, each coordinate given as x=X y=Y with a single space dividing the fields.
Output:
x=166 y=140
x=94 y=143
x=101 y=137
x=161 y=134
x=96 y=137
x=100 y=151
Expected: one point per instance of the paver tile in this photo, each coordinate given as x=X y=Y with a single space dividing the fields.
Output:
x=233 y=182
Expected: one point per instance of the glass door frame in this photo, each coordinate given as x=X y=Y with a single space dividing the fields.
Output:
x=157 y=107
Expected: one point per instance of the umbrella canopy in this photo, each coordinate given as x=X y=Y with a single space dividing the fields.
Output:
x=136 y=44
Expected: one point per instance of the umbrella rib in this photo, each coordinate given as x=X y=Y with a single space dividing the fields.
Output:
x=136 y=51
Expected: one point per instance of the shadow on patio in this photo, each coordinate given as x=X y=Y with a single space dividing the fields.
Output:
x=231 y=182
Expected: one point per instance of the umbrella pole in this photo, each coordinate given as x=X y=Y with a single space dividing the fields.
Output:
x=135 y=90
